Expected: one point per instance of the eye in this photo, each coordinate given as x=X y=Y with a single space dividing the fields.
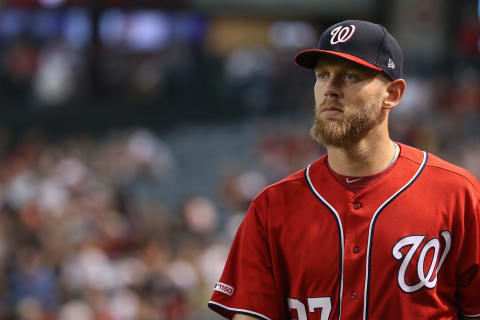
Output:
x=350 y=76
x=322 y=75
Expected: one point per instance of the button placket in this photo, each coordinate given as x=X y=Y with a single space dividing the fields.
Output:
x=354 y=256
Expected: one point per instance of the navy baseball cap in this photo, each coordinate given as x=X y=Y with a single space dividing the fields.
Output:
x=366 y=43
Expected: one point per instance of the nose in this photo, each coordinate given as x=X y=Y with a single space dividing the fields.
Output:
x=333 y=87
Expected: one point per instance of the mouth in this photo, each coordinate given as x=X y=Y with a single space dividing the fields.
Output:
x=331 y=111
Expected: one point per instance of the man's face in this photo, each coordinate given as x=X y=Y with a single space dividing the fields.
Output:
x=348 y=101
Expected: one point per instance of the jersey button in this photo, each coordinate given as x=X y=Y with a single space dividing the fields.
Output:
x=356 y=249
x=354 y=295
x=357 y=205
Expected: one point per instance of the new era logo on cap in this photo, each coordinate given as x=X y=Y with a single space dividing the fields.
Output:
x=363 y=42
x=391 y=64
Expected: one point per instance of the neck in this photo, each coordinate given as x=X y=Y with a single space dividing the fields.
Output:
x=367 y=157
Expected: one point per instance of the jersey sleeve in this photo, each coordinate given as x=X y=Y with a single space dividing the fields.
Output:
x=468 y=281
x=247 y=283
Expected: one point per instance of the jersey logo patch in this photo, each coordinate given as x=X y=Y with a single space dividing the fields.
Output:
x=428 y=280
x=224 y=288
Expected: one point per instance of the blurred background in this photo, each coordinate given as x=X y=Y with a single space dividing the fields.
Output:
x=133 y=135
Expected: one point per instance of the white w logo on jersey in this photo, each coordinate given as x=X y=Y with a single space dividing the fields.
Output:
x=414 y=242
x=342 y=34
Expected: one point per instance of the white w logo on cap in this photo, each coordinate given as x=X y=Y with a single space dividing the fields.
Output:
x=342 y=33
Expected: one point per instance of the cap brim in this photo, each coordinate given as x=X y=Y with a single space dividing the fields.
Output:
x=309 y=58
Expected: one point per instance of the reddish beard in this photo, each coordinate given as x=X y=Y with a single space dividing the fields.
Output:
x=350 y=129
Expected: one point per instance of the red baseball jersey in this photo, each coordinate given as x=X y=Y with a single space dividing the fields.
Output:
x=405 y=247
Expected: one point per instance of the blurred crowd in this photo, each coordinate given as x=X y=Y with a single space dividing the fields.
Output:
x=190 y=76
x=85 y=236
x=80 y=240
x=103 y=226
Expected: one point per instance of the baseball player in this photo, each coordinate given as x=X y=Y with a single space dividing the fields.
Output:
x=375 y=229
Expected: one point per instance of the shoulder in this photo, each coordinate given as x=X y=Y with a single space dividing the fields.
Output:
x=280 y=189
x=440 y=171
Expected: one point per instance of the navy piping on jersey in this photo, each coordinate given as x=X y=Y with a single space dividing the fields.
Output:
x=340 y=235
x=372 y=229
x=213 y=304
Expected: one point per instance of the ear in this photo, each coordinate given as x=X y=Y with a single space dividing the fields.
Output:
x=395 y=90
